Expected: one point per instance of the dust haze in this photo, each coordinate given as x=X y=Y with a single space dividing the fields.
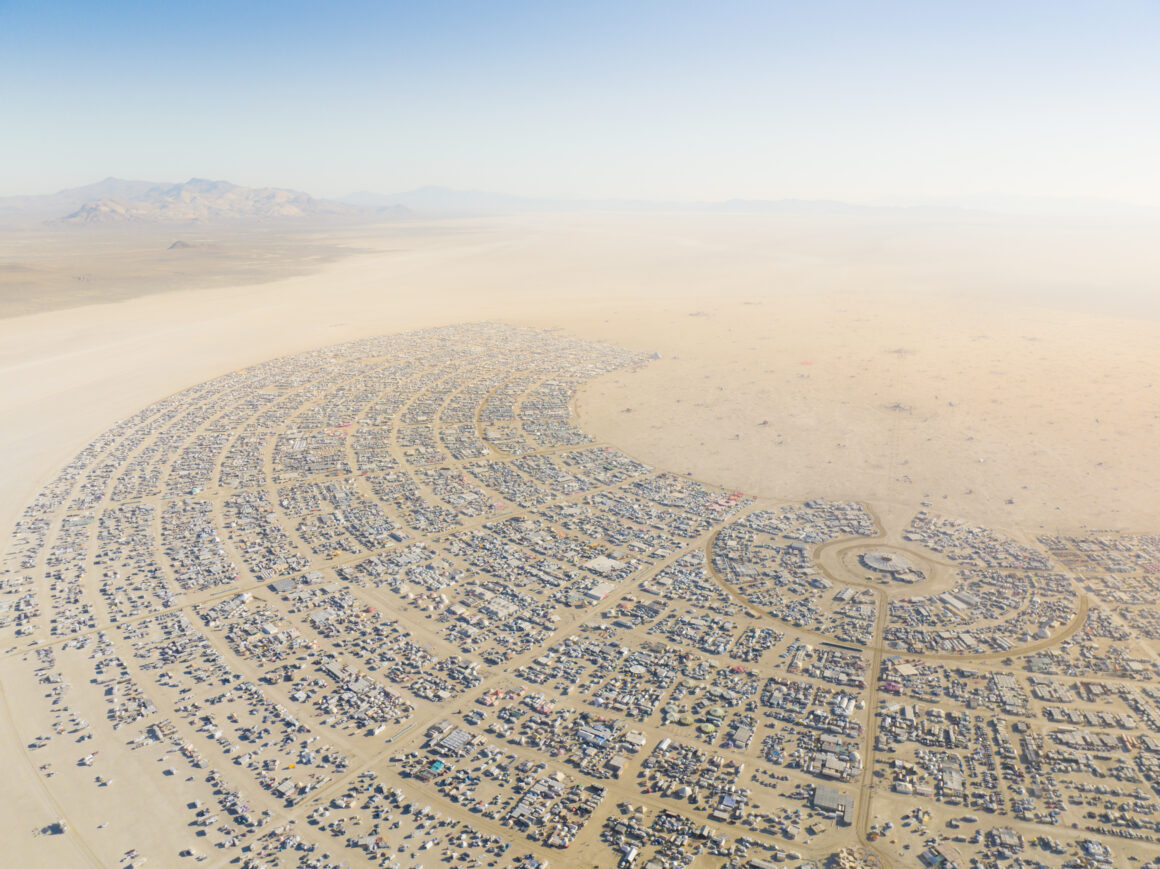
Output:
x=1002 y=367
x=996 y=371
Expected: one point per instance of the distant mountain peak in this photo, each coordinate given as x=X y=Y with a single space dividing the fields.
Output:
x=202 y=200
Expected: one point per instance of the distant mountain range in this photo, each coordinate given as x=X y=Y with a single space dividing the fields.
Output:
x=115 y=201
x=447 y=202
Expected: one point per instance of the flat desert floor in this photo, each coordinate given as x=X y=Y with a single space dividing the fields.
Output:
x=1005 y=373
x=1006 y=370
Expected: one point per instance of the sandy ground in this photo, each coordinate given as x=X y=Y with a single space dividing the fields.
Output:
x=888 y=361
x=44 y=269
x=1035 y=419
x=1004 y=374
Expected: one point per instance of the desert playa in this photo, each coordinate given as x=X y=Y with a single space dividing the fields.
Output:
x=841 y=356
x=868 y=385
x=580 y=435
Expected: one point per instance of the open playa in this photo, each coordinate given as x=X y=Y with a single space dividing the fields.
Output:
x=640 y=435
x=889 y=361
x=854 y=358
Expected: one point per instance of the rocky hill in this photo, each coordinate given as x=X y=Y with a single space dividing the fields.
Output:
x=114 y=202
x=200 y=200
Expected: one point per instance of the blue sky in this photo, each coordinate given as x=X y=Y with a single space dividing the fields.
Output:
x=665 y=100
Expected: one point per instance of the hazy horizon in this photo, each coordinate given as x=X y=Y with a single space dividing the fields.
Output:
x=1044 y=204
x=750 y=405
x=653 y=101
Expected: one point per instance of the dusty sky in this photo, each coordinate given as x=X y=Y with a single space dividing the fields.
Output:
x=658 y=100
